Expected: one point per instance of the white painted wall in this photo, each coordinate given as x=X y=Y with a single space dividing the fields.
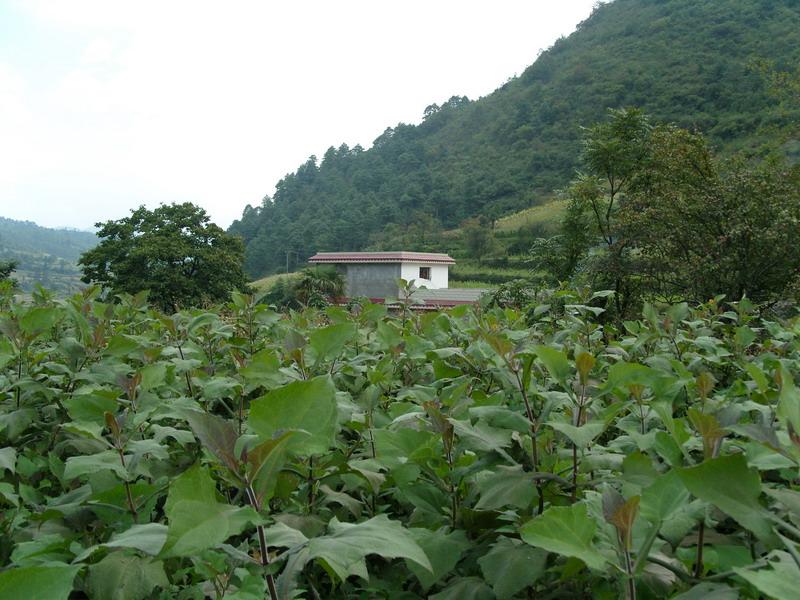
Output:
x=438 y=280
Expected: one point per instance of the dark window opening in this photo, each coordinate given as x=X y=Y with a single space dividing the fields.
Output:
x=425 y=273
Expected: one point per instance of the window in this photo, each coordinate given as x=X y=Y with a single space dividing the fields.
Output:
x=425 y=273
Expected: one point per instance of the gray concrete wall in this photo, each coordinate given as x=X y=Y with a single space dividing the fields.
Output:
x=372 y=280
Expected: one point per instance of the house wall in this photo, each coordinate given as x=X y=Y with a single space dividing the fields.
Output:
x=439 y=275
x=371 y=280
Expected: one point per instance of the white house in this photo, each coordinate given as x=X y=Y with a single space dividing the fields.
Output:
x=375 y=274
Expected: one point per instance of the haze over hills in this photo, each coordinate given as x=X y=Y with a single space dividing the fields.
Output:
x=43 y=255
x=683 y=61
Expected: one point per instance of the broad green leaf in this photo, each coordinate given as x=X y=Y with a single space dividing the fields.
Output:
x=328 y=342
x=757 y=375
x=621 y=375
x=443 y=550
x=394 y=447
x=305 y=405
x=8 y=492
x=555 y=362
x=663 y=498
x=465 y=588
x=265 y=461
x=344 y=549
x=38 y=319
x=744 y=336
x=511 y=566
x=727 y=483
x=580 y=436
x=262 y=368
x=39 y=583
x=780 y=581
x=48 y=548
x=120 y=576
x=102 y=461
x=92 y=407
x=284 y=536
x=8 y=460
x=481 y=436
x=216 y=434
x=709 y=591
x=148 y=538
x=500 y=416
x=195 y=526
x=7 y=353
x=505 y=486
x=789 y=498
x=121 y=345
x=153 y=375
x=196 y=519
x=567 y=530
x=789 y=401
x=194 y=483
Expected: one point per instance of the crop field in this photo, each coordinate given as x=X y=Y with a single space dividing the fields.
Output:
x=486 y=274
x=470 y=284
x=544 y=215
x=265 y=283
x=477 y=453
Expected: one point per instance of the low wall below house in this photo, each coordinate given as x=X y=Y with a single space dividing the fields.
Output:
x=372 y=280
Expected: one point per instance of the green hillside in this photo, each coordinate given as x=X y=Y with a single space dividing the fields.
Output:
x=684 y=61
x=43 y=255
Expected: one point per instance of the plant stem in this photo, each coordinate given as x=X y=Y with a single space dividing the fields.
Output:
x=532 y=422
x=188 y=379
x=631 y=581
x=310 y=481
x=241 y=412
x=574 y=495
x=262 y=542
x=131 y=504
x=698 y=564
x=19 y=376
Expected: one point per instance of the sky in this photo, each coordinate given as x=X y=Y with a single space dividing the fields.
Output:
x=106 y=105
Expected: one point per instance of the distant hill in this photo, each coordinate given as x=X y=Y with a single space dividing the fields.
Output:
x=44 y=255
x=683 y=61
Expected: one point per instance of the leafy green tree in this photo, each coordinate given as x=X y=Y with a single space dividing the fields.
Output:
x=478 y=238
x=614 y=151
x=6 y=268
x=174 y=251
x=704 y=226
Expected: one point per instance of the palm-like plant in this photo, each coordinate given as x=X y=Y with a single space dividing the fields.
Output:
x=318 y=285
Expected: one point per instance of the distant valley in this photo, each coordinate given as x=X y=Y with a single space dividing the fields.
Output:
x=43 y=255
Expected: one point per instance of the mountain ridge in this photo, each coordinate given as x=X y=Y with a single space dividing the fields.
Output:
x=683 y=61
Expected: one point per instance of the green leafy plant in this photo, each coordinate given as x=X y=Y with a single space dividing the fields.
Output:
x=484 y=452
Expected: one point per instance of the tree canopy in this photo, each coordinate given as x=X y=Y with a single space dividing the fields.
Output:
x=657 y=214
x=174 y=252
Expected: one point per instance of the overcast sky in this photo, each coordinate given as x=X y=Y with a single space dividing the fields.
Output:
x=106 y=104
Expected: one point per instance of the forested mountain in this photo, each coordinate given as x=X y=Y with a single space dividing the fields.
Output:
x=684 y=61
x=44 y=255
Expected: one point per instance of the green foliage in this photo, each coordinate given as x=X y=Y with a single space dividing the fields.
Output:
x=484 y=452
x=6 y=268
x=174 y=252
x=657 y=215
x=682 y=62
x=315 y=286
x=701 y=226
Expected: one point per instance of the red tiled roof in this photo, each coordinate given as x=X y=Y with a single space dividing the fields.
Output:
x=381 y=257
